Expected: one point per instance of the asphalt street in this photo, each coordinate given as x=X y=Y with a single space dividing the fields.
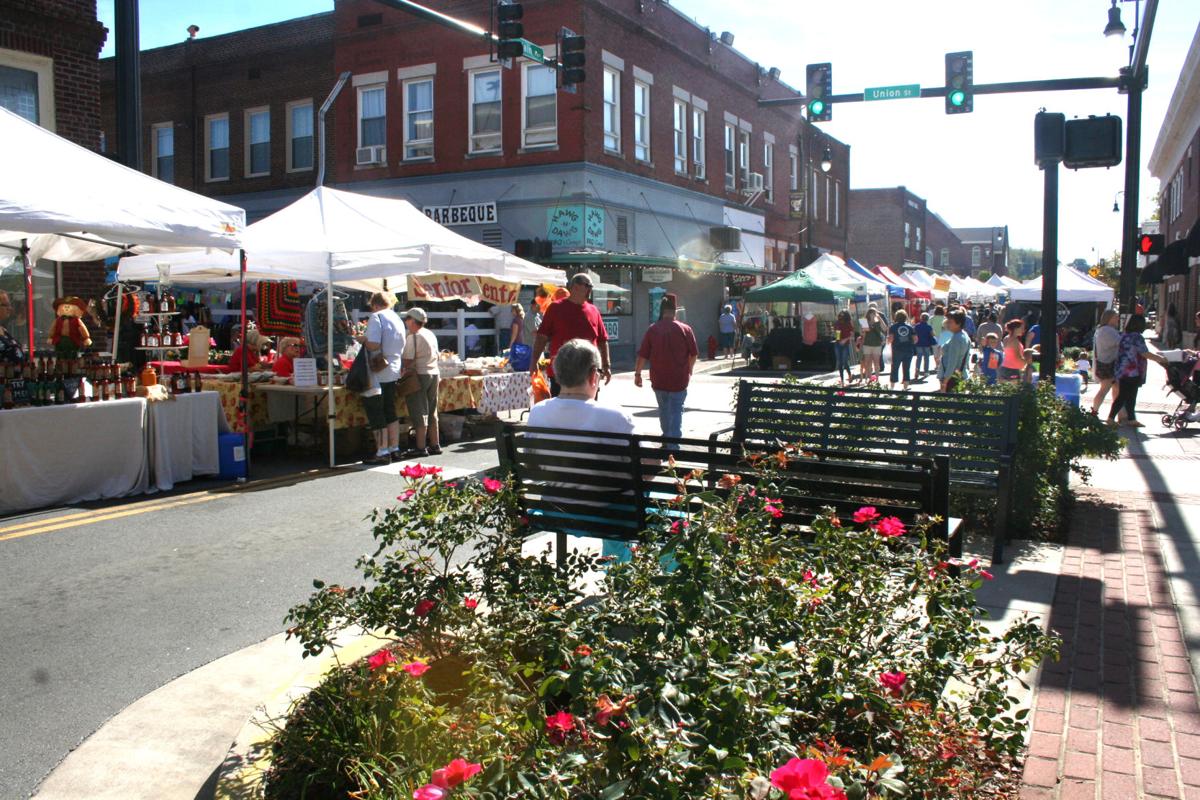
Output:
x=105 y=604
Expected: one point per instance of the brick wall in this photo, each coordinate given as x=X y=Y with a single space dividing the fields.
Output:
x=941 y=236
x=1183 y=291
x=877 y=226
x=68 y=32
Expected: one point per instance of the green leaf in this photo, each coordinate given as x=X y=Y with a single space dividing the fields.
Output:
x=615 y=790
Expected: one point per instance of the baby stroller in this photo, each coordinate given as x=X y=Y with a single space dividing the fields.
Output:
x=1181 y=382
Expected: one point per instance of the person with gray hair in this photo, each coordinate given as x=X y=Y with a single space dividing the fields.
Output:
x=578 y=367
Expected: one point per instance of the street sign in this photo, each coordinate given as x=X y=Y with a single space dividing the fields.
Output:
x=892 y=92
x=532 y=51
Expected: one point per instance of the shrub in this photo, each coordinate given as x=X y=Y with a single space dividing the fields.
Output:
x=724 y=658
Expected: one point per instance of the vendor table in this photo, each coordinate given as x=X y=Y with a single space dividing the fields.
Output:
x=68 y=454
x=183 y=437
x=173 y=367
x=229 y=391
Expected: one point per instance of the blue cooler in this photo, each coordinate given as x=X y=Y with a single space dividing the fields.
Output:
x=1068 y=388
x=232 y=448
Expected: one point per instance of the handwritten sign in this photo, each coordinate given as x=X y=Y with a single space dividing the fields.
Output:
x=304 y=372
x=198 y=344
x=468 y=288
x=575 y=226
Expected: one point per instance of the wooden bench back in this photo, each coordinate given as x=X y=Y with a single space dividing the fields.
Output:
x=612 y=485
x=977 y=433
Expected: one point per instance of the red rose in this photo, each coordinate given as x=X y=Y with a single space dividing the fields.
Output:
x=424 y=607
x=865 y=514
x=889 y=527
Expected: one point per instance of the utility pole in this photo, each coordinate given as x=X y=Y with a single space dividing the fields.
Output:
x=1134 y=79
x=129 y=85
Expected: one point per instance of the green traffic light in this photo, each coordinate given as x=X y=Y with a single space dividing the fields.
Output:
x=816 y=108
x=958 y=97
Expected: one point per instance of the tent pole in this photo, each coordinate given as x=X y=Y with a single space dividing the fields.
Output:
x=331 y=411
x=28 y=269
x=117 y=318
x=244 y=397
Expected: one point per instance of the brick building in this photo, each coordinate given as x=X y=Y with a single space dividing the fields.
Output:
x=1175 y=161
x=895 y=227
x=49 y=75
x=637 y=177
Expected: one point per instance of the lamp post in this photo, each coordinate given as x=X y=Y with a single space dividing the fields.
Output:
x=1116 y=206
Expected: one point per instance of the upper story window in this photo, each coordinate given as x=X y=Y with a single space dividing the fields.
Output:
x=698 y=155
x=19 y=92
x=162 y=145
x=945 y=257
x=793 y=172
x=907 y=236
x=918 y=248
x=485 y=111
x=612 y=110
x=418 y=119
x=744 y=157
x=976 y=256
x=216 y=147
x=372 y=116
x=641 y=121
x=828 y=198
x=540 y=122
x=300 y=135
x=769 y=170
x=730 y=157
x=258 y=142
x=837 y=204
x=680 y=115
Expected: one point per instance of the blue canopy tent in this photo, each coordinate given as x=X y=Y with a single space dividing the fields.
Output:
x=893 y=290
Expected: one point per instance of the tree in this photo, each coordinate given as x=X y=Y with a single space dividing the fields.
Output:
x=1108 y=271
x=1025 y=262
x=984 y=275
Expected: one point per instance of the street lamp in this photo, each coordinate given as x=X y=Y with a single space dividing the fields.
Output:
x=1117 y=208
x=1114 y=27
x=826 y=159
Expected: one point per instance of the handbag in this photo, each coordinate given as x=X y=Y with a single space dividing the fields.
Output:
x=409 y=383
x=520 y=356
x=359 y=378
x=378 y=362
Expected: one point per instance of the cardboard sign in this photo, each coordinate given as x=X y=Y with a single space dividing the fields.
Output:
x=468 y=288
x=197 y=353
x=941 y=284
x=304 y=372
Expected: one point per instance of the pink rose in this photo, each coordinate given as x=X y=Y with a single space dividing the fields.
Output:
x=491 y=485
x=558 y=726
x=774 y=511
x=805 y=779
x=381 y=658
x=406 y=495
x=893 y=682
x=889 y=527
x=679 y=525
x=424 y=607
x=987 y=576
x=469 y=603
x=429 y=792
x=416 y=668
x=865 y=514
x=417 y=471
x=457 y=771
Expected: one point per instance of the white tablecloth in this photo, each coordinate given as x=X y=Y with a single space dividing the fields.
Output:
x=68 y=454
x=505 y=392
x=183 y=438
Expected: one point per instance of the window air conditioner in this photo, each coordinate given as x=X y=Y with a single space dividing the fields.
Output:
x=725 y=238
x=754 y=183
x=364 y=156
x=698 y=171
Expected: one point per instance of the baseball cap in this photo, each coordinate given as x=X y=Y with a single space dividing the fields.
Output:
x=417 y=314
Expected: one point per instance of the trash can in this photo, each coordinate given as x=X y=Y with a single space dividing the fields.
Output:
x=232 y=449
x=1068 y=388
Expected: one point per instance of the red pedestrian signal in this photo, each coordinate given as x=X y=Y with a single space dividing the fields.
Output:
x=1151 y=244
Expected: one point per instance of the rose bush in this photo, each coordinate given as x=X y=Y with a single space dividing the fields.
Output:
x=728 y=658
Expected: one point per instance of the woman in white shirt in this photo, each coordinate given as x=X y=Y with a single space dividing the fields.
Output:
x=421 y=358
x=384 y=342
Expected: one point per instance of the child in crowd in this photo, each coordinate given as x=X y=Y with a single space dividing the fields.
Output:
x=990 y=358
x=1084 y=365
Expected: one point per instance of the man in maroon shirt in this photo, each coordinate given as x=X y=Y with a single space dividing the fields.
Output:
x=670 y=348
x=573 y=317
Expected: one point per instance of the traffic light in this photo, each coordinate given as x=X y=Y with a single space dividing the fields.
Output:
x=571 y=55
x=1152 y=244
x=819 y=92
x=960 y=83
x=510 y=30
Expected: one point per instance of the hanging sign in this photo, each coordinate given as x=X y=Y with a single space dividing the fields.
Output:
x=468 y=288
x=656 y=274
x=469 y=214
x=575 y=226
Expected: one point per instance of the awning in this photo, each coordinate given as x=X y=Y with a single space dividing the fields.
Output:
x=631 y=261
x=799 y=287
x=1174 y=260
x=1193 y=241
x=1151 y=273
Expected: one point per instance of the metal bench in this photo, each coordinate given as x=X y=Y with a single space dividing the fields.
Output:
x=977 y=434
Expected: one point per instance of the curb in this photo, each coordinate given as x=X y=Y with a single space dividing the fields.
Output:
x=240 y=774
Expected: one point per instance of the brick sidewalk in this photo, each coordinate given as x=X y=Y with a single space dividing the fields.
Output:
x=1117 y=716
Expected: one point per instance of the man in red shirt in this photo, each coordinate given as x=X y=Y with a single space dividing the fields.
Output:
x=573 y=317
x=670 y=347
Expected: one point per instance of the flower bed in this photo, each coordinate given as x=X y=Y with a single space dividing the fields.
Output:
x=726 y=659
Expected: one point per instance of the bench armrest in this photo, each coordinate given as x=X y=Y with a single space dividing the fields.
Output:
x=712 y=437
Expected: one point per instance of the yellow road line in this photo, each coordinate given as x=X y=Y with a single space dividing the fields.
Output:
x=99 y=515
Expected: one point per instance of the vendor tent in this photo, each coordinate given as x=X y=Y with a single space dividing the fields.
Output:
x=1002 y=282
x=799 y=287
x=912 y=290
x=831 y=269
x=892 y=289
x=1073 y=287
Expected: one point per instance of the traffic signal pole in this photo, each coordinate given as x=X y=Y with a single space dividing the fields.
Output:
x=1129 y=245
x=1010 y=87
x=1048 y=319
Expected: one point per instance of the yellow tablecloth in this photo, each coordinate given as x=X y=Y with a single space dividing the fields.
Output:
x=229 y=392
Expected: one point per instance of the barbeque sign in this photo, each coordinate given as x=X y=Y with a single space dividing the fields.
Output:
x=468 y=288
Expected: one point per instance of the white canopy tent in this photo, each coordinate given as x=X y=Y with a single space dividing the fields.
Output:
x=64 y=202
x=831 y=269
x=343 y=238
x=1073 y=287
x=1003 y=282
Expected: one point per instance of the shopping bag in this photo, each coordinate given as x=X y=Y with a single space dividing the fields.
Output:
x=358 y=379
x=520 y=356
x=541 y=387
x=408 y=384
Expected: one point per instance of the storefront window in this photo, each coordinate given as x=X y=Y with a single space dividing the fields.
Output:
x=13 y=317
x=610 y=301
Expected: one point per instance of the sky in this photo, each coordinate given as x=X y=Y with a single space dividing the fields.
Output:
x=974 y=170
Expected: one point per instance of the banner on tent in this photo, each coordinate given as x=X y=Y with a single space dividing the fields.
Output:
x=469 y=288
x=941 y=284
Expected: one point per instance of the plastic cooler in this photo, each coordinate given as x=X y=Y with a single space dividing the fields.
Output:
x=232 y=448
x=1068 y=387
